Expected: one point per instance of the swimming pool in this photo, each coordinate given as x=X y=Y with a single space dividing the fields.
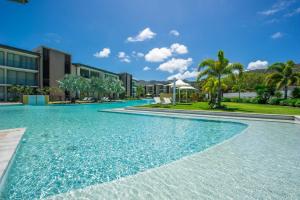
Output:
x=68 y=147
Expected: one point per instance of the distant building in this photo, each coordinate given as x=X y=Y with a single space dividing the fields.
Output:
x=17 y=67
x=89 y=71
x=127 y=83
x=54 y=65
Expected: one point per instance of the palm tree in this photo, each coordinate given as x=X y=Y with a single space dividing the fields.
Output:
x=283 y=76
x=218 y=68
x=238 y=80
x=210 y=86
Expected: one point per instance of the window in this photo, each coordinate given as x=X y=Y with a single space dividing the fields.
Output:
x=21 y=78
x=1 y=58
x=10 y=59
x=11 y=77
x=31 y=79
x=2 y=93
x=95 y=74
x=1 y=76
x=84 y=73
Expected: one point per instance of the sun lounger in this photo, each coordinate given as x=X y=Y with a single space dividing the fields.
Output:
x=167 y=101
x=156 y=100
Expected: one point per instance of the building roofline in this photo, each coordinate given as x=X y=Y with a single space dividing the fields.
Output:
x=42 y=46
x=18 y=49
x=95 y=68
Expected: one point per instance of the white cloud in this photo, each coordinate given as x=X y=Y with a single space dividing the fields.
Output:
x=146 y=68
x=145 y=34
x=175 y=64
x=280 y=5
x=139 y=54
x=53 y=38
x=123 y=57
x=257 y=65
x=175 y=33
x=103 y=54
x=185 y=75
x=277 y=35
x=161 y=54
x=179 y=48
x=158 y=54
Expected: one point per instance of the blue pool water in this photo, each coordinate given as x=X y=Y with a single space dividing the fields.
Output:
x=73 y=146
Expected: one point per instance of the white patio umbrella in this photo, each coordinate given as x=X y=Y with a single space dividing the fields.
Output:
x=178 y=84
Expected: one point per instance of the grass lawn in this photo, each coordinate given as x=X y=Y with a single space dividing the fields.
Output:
x=236 y=107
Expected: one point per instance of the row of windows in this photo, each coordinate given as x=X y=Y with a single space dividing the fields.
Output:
x=21 y=78
x=19 y=61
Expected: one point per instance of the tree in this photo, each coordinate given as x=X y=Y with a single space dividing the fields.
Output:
x=97 y=86
x=211 y=88
x=218 y=68
x=70 y=83
x=140 y=90
x=283 y=76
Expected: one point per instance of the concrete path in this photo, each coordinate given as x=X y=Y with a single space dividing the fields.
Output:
x=9 y=140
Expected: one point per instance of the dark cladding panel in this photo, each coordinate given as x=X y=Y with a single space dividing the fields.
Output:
x=46 y=68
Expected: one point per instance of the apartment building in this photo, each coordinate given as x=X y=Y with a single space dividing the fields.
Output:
x=127 y=83
x=43 y=67
x=54 y=65
x=17 y=67
x=89 y=71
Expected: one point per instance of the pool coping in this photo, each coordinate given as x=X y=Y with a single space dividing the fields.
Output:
x=9 y=140
x=220 y=114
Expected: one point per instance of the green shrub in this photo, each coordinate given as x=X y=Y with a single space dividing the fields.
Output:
x=246 y=100
x=288 y=102
x=226 y=99
x=297 y=103
x=274 y=101
x=236 y=100
x=278 y=94
x=254 y=100
x=296 y=93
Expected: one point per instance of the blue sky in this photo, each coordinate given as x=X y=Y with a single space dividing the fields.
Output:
x=136 y=36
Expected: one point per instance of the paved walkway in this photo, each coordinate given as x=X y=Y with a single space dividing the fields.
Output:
x=9 y=140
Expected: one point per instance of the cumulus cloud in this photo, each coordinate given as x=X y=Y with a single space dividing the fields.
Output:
x=280 y=5
x=277 y=35
x=175 y=33
x=158 y=54
x=257 y=65
x=161 y=54
x=146 y=68
x=137 y=54
x=179 y=48
x=123 y=57
x=145 y=34
x=102 y=54
x=175 y=64
x=184 y=75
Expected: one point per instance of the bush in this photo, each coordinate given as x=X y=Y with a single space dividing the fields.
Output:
x=297 y=103
x=226 y=99
x=274 y=101
x=247 y=100
x=296 y=93
x=288 y=102
x=255 y=100
x=278 y=94
x=236 y=100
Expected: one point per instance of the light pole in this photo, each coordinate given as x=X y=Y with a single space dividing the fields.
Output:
x=174 y=91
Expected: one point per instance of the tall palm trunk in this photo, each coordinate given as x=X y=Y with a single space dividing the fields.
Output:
x=219 y=91
x=285 y=91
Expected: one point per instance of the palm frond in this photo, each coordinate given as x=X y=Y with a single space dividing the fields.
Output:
x=279 y=67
